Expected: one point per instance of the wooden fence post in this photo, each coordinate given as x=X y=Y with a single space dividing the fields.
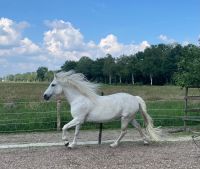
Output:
x=186 y=108
x=58 y=114
x=100 y=127
x=100 y=132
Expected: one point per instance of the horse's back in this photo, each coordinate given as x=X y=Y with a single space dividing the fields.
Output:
x=126 y=101
x=113 y=106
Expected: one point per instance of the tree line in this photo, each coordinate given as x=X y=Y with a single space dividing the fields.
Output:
x=157 y=65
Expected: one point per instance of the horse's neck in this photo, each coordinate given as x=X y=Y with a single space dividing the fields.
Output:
x=71 y=94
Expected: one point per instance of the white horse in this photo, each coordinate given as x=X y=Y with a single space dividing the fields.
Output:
x=88 y=106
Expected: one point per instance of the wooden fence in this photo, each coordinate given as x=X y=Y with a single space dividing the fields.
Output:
x=188 y=110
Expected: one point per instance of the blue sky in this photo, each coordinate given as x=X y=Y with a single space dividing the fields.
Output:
x=37 y=33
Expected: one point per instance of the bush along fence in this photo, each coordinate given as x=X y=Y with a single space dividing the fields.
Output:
x=51 y=116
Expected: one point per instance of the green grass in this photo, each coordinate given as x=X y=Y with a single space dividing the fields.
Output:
x=22 y=92
x=22 y=107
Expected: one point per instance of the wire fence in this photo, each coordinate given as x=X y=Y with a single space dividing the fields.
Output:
x=47 y=116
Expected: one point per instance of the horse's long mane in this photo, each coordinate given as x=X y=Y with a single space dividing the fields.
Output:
x=79 y=82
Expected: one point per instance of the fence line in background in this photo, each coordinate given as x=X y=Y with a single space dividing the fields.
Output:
x=55 y=119
x=58 y=115
x=54 y=101
x=45 y=112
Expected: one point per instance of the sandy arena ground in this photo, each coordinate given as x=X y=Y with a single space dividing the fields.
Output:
x=129 y=155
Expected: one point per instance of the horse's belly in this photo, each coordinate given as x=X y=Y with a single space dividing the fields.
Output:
x=103 y=116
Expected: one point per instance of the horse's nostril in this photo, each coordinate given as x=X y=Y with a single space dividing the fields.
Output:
x=46 y=97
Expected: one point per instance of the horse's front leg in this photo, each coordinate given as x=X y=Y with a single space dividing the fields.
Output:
x=74 y=143
x=72 y=123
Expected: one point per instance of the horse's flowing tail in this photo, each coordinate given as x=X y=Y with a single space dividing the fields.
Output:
x=154 y=133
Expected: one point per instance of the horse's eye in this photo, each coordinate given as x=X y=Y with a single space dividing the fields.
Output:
x=53 y=85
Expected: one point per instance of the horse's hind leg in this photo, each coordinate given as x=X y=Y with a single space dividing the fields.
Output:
x=138 y=127
x=124 y=125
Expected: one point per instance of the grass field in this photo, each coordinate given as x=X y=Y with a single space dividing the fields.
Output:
x=22 y=107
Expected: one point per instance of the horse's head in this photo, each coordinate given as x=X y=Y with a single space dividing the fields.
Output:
x=54 y=89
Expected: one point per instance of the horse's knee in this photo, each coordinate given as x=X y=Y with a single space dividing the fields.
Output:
x=64 y=127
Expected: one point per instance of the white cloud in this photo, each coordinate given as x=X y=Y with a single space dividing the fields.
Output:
x=63 y=37
x=12 y=43
x=28 y=46
x=111 y=45
x=166 y=39
x=8 y=32
x=23 y=47
x=185 y=43
x=66 y=42
x=163 y=37
x=60 y=43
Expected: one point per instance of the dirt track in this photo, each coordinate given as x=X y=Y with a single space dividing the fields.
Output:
x=128 y=155
x=173 y=155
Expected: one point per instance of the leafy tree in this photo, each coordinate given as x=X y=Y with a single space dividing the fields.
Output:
x=153 y=62
x=29 y=77
x=41 y=73
x=159 y=64
x=134 y=66
x=84 y=66
x=49 y=76
x=189 y=67
x=170 y=61
x=97 y=69
x=11 y=77
x=69 y=65
x=109 y=67
x=123 y=68
x=18 y=77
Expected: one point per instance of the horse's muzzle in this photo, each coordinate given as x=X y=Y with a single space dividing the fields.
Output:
x=46 y=97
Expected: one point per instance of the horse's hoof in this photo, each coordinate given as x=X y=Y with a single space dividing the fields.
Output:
x=66 y=143
x=146 y=143
x=70 y=146
x=113 y=145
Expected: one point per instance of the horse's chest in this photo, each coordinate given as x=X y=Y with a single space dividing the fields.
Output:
x=80 y=109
